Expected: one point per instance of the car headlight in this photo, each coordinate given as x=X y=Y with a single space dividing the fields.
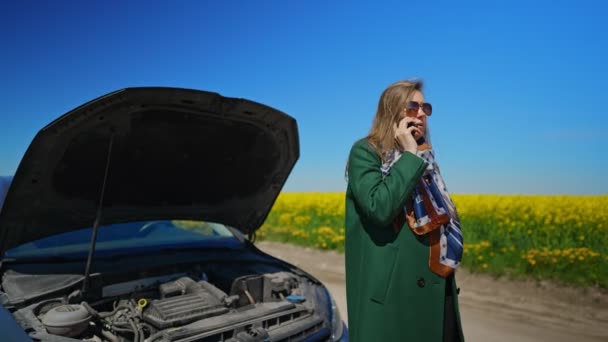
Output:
x=337 y=328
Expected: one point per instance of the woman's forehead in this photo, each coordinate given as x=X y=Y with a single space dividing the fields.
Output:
x=417 y=96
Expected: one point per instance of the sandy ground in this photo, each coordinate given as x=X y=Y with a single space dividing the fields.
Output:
x=492 y=309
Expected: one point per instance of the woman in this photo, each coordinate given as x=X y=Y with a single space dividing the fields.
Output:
x=403 y=239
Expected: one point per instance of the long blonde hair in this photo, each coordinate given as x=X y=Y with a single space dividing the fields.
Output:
x=390 y=106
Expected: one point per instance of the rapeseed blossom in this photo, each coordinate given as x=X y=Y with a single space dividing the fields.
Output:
x=556 y=237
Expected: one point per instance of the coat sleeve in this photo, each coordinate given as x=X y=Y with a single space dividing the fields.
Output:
x=379 y=200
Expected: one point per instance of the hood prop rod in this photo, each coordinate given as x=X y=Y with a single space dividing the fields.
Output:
x=85 y=283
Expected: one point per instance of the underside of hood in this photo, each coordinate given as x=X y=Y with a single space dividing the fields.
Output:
x=169 y=154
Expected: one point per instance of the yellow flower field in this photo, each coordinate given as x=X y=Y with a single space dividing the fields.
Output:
x=563 y=238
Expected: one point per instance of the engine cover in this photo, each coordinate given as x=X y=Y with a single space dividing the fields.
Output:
x=197 y=300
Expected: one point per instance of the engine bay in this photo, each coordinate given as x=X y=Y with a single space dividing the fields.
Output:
x=183 y=306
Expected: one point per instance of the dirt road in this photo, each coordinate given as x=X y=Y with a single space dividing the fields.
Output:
x=496 y=310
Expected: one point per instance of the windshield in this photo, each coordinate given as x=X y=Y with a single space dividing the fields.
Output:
x=128 y=238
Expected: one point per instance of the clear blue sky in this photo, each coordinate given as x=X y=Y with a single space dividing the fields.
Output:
x=519 y=89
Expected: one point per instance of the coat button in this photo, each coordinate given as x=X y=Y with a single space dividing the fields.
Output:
x=421 y=282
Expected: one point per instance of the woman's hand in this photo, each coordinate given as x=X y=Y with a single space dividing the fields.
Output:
x=403 y=134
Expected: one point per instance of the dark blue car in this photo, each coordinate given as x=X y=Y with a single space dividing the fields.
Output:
x=131 y=218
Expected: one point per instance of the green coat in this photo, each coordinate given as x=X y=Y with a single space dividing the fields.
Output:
x=391 y=293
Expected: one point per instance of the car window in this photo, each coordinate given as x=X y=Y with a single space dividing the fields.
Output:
x=141 y=234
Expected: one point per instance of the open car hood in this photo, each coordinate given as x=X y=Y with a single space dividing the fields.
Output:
x=170 y=154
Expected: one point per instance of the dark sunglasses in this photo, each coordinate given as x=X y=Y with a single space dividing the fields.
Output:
x=413 y=107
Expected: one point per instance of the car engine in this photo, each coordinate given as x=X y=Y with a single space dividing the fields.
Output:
x=279 y=306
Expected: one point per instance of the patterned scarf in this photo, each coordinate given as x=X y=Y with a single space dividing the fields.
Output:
x=431 y=211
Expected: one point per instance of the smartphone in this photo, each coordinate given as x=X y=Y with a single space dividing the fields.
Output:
x=420 y=140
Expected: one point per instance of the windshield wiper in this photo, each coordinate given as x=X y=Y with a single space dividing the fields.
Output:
x=87 y=271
